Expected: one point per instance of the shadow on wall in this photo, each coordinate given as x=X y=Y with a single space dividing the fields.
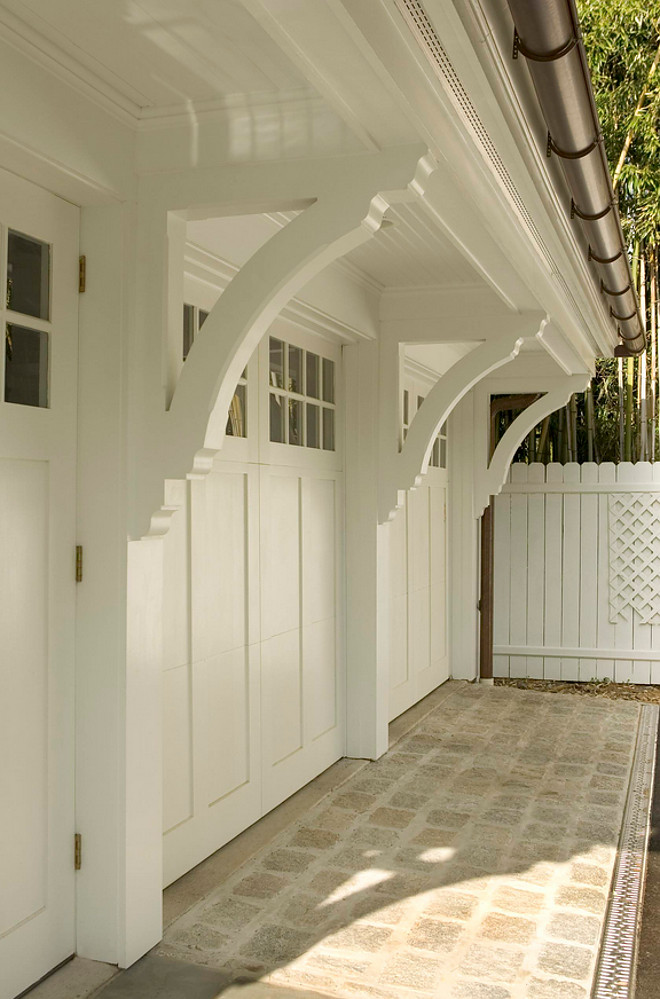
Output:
x=385 y=883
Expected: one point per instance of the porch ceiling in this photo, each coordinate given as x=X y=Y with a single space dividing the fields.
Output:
x=408 y=252
x=412 y=253
x=161 y=53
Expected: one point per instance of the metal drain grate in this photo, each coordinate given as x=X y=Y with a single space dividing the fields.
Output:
x=616 y=966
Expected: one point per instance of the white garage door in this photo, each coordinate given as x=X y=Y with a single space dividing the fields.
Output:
x=417 y=600
x=253 y=682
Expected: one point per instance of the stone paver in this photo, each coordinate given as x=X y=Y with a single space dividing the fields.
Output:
x=473 y=861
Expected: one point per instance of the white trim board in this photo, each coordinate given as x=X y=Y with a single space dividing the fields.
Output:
x=541 y=651
x=581 y=487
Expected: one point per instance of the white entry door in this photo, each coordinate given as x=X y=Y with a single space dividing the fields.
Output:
x=38 y=377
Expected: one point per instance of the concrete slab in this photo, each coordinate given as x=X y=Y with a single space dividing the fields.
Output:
x=77 y=979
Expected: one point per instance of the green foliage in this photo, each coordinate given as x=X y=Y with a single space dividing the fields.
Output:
x=621 y=38
x=622 y=42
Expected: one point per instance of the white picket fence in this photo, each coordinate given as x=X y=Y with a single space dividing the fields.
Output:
x=577 y=572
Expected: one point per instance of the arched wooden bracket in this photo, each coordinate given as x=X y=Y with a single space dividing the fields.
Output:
x=489 y=481
x=590 y=218
x=519 y=46
x=604 y=260
x=350 y=198
x=402 y=471
x=608 y=291
x=552 y=147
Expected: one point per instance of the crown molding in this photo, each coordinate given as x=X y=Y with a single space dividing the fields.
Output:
x=218 y=272
x=416 y=369
x=359 y=276
x=51 y=57
x=27 y=40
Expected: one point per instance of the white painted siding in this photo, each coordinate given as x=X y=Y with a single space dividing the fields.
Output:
x=552 y=588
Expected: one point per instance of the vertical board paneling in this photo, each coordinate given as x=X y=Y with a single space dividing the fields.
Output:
x=557 y=542
x=397 y=582
x=176 y=580
x=224 y=723
x=554 y=568
x=588 y=569
x=177 y=748
x=416 y=579
x=420 y=578
x=281 y=668
x=519 y=571
x=438 y=550
x=623 y=629
x=224 y=544
x=571 y=573
x=502 y=580
x=535 y=576
x=319 y=576
x=605 y=634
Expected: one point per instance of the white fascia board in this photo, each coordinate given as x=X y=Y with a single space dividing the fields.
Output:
x=490 y=29
x=500 y=170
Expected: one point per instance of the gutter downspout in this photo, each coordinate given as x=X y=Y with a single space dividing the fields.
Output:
x=547 y=34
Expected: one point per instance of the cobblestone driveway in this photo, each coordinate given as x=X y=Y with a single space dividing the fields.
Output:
x=471 y=862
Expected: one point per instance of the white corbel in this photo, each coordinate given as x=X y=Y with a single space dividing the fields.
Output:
x=349 y=208
x=489 y=481
x=402 y=471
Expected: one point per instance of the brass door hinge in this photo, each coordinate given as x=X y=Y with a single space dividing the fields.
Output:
x=79 y=563
x=82 y=273
x=77 y=851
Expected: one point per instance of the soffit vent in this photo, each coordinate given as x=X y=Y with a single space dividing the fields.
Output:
x=427 y=38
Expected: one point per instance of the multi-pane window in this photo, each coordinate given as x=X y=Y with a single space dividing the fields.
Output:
x=193 y=320
x=301 y=397
x=27 y=295
x=237 y=416
x=438 y=457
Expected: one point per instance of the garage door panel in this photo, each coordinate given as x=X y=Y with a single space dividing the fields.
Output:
x=220 y=544
x=281 y=554
x=319 y=549
x=320 y=675
x=224 y=704
x=281 y=697
x=177 y=749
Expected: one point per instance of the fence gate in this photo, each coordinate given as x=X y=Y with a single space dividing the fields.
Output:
x=577 y=572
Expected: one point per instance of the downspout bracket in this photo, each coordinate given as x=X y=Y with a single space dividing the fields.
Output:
x=605 y=260
x=590 y=218
x=519 y=46
x=623 y=319
x=552 y=147
x=608 y=291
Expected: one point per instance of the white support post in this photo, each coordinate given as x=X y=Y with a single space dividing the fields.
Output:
x=463 y=534
x=106 y=238
x=141 y=870
x=366 y=674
